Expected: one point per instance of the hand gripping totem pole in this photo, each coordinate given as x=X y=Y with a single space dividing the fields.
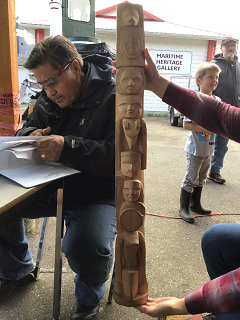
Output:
x=130 y=284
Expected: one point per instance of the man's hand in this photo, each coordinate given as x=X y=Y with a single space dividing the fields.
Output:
x=162 y=307
x=114 y=64
x=50 y=148
x=41 y=132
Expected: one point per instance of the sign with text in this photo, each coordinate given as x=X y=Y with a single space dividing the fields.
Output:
x=173 y=62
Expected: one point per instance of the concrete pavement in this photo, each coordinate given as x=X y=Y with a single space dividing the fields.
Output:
x=174 y=261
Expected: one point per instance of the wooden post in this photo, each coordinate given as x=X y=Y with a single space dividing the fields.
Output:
x=130 y=284
x=10 y=113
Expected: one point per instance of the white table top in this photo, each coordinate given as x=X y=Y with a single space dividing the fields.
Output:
x=12 y=193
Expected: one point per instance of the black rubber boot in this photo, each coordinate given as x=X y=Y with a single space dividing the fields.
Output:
x=184 y=206
x=195 y=204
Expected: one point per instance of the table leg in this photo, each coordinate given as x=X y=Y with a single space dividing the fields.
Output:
x=58 y=257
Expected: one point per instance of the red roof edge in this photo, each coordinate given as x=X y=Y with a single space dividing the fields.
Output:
x=100 y=12
x=152 y=16
x=108 y=9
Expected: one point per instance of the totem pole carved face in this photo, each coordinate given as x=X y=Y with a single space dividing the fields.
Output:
x=131 y=190
x=130 y=107
x=131 y=80
x=130 y=17
x=130 y=163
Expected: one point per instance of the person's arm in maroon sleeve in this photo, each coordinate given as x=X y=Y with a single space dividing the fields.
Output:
x=218 y=295
x=216 y=116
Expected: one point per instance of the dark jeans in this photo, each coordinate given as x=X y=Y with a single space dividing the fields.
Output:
x=220 y=150
x=87 y=244
x=221 y=252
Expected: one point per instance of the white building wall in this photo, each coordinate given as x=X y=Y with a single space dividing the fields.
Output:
x=108 y=37
x=198 y=47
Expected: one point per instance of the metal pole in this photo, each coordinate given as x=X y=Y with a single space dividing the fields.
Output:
x=56 y=18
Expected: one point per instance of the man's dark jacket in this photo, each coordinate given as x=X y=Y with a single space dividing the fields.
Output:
x=228 y=88
x=88 y=128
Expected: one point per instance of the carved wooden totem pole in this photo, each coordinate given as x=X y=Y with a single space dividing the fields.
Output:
x=130 y=285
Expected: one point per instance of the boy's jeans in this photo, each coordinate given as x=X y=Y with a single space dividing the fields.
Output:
x=220 y=149
x=87 y=244
x=221 y=252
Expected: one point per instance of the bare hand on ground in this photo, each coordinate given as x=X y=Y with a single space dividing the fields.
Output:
x=163 y=307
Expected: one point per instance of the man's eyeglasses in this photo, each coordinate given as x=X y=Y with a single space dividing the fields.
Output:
x=51 y=83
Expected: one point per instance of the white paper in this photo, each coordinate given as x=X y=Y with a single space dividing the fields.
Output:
x=35 y=173
x=8 y=142
x=23 y=165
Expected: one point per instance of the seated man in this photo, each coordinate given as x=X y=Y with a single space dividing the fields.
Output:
x=76 y=110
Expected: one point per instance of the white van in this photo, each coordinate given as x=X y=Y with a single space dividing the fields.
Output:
x=185 y=81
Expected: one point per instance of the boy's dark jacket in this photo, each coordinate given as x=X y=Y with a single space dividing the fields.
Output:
x=228 y=88
x=88 y=127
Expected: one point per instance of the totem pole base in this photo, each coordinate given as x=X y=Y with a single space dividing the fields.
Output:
x=138 y=301
x=128 y=293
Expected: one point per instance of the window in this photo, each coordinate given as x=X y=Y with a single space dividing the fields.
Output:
x=79 y=10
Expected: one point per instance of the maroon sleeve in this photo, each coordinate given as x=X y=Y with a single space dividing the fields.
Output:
x=208 y=112
x=219 y=295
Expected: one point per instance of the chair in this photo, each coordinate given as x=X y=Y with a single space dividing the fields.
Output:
x=58 y=258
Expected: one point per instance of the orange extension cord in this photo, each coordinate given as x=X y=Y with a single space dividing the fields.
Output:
x=200 y=215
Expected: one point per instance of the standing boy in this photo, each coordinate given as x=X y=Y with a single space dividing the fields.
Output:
x=199 y=148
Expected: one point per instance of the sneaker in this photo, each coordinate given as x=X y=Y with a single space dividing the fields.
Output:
x=201 y=317
x=216 y=177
